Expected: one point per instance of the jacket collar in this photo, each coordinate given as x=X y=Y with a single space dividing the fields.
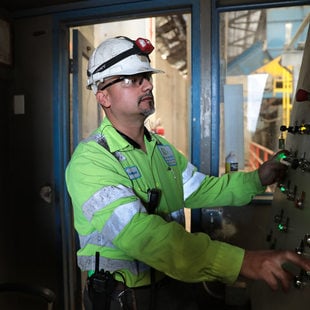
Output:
x=133 y=142
x=109 y=131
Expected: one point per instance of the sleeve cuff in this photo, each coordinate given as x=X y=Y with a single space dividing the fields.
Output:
x=228 y=262
x=258 y=184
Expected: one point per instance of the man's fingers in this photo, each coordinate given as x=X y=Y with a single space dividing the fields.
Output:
x=298 y=260
x=272 y=281
x=268 y=266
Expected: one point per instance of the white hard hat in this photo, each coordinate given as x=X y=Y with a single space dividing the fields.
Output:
x=119 y=56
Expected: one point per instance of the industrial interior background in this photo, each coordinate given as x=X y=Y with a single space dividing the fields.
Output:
x=37 y=236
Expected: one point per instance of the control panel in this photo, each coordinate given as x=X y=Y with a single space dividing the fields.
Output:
x=289 y=224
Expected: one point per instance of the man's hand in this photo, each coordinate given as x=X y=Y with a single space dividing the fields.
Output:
x=268 y=266
x=273 y=170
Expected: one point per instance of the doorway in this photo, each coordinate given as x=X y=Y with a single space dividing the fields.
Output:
x=171 y=36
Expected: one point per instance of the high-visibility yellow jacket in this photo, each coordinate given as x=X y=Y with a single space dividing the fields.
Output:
x=109 y=187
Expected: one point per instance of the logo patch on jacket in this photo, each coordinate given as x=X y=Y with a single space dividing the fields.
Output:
x=167 y=154
x=133 y=172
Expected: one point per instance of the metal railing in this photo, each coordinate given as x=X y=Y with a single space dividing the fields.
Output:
x=258 y=154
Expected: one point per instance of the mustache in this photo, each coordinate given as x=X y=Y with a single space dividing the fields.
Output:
x=148 y=96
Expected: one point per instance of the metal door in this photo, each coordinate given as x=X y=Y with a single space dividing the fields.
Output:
x=86 y=113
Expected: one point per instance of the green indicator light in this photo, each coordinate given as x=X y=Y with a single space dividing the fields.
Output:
x=282 y=189
x=281 y=227
x=281 y=156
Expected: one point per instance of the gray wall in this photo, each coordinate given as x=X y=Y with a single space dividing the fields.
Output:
x=31 y=232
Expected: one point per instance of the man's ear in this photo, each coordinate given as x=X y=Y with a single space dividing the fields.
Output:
x=103 y=99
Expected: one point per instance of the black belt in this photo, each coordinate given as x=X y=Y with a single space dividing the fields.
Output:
x=127 y=296
x=120 y=286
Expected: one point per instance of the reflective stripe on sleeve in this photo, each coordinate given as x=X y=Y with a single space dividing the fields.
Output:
x=96 y=238
x=191 y=180
x=104 y=197
x=120 y=217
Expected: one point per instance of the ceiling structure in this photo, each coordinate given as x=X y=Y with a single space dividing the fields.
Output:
x=238 y=30
x=243 y=26
x=20 y=5
x=171 y=40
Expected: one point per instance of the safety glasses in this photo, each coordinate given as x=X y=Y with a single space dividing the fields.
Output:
x=135 y=80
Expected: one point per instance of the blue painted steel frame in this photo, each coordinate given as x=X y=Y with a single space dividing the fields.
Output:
x=252 y=5
x=75 y=94
x=61 y=143
x=215 y=92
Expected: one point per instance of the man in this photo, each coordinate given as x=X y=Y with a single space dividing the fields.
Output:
x=129 y=187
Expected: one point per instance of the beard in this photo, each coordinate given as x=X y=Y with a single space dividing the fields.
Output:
x=148 y=112
x=146 y=104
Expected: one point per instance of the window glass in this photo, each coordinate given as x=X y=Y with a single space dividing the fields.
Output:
x=260 y=54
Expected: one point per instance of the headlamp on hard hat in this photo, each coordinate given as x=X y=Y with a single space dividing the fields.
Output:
x=144 y=45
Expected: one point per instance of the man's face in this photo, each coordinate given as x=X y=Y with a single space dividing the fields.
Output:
x=128 y=95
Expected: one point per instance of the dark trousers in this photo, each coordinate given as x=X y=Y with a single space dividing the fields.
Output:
x=169 y=295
